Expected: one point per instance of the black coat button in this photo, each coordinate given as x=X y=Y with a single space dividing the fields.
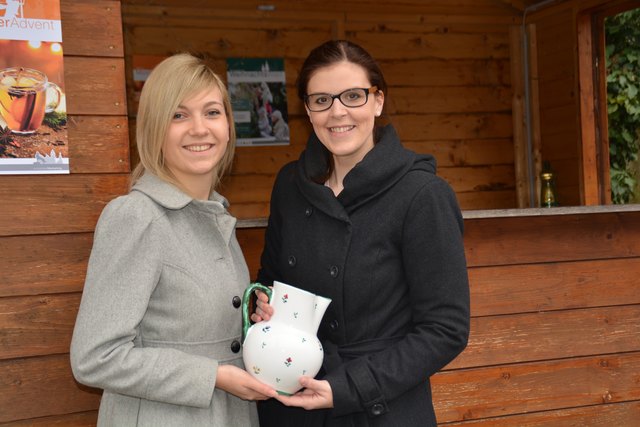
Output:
x=333 y=271
x=308 y=211
x=292 y=261
x=235 y=346
x=236 y=301
x=377 y=409
x=334 y=325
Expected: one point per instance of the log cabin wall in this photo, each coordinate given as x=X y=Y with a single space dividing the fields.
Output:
x=47 y=222
x=447 y=65
x=555 y=306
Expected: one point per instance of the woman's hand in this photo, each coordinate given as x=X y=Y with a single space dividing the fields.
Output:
x=239 y=383
x=264 y=311
x=317 y=394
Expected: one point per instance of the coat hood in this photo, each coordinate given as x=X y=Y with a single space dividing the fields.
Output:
x=379 y=170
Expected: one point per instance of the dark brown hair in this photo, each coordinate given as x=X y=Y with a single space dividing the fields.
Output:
x=335 y=51
x=330 y=53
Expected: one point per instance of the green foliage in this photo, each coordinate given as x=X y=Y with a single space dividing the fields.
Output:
x=623 y=103
x=55 y=120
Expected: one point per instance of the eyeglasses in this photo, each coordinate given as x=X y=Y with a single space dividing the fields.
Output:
x=352 y=98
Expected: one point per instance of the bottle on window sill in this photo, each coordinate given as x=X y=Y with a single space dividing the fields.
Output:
x=548 y=198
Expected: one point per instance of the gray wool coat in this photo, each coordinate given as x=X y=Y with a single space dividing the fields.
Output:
x=157 y=315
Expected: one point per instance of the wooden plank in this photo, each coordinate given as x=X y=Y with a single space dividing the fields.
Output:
x=247 y=188
x=520 y=130
x=506 y=241
x=251 y=241
x=413 y=24
x=437 y=7
x=264 y=160
x=536 y=138
x=446 y=72
x=625 y=414
x=225 y=42
x=457 y=20
x=412 y=127
x=56 y=203
x=42 y=387
x=250 y=210
x=460 y=153
x=82 y=419
x=37 y=325
x=530 y=387
x=91 y=28
x=479 y=178
x=44 y=264
x=135 y=13
x=475 y=200
x=553 y=286
x=590 y=186
x=527 y=337
x=423 y=46
x=557 y=93
x=468 y=152
x=556 y=65
x=452 y=99
x=98 y=144
x=95 y=86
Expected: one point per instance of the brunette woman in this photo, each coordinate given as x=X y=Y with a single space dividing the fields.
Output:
x=363 y=221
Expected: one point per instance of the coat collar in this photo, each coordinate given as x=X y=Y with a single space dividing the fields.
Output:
x=381 y=168
x=171 y=197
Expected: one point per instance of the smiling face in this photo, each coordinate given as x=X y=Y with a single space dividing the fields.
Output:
x=346 y=132
x=197 y=139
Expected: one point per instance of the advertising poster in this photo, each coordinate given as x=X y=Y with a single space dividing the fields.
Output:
x=258 y=94
x=33 y=115
x=142 y=67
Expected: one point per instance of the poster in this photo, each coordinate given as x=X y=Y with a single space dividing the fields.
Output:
x=33 y=116
x=257 y=88
x=142 y=66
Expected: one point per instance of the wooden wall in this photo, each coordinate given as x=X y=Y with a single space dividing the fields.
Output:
x=555 y=335
x=447 y=64
x=559 y=122
x=555 y=329
x=47 y=222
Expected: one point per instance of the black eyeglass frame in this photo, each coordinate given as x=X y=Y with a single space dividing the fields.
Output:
x=367 y=91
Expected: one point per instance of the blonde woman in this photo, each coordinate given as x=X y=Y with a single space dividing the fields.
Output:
x=159 y=324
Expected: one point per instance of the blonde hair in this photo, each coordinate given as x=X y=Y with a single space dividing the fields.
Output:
x=169 y=84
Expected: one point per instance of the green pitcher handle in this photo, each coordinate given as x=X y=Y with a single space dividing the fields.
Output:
x=246 y=297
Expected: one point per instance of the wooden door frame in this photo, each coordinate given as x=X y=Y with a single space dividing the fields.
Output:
x=595 y=180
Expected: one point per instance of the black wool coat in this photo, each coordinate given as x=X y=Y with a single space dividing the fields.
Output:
x=388 y=251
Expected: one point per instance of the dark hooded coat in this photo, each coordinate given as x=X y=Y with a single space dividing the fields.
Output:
x=388 y=251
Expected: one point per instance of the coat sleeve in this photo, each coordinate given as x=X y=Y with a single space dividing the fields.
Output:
x=435 y=271
x=124 y=268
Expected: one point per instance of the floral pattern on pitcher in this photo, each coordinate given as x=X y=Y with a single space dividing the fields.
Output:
x=287 y=344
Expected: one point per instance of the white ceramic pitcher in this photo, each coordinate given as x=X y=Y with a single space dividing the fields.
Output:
x=279 y=351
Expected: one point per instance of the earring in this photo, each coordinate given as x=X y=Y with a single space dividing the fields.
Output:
x=378 y=113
